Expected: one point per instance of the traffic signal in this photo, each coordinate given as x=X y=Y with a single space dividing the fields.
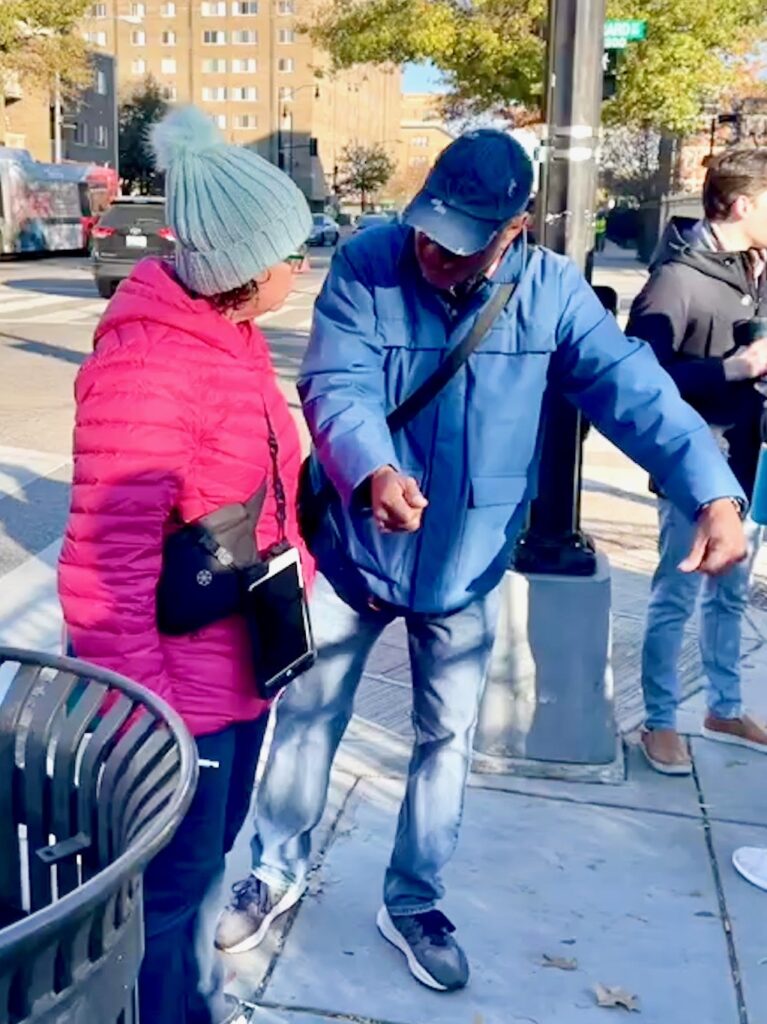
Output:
x=610 y=72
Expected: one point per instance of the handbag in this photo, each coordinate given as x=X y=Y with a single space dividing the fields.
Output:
x=203 y=565
x=315 y=491
x=212 y=570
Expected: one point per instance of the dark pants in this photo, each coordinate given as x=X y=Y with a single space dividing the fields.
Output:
x=177 y=880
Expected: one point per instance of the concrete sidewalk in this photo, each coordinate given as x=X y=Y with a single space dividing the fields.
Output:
x=630 y=883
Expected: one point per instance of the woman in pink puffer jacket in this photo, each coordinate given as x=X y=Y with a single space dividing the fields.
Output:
x=171 y=425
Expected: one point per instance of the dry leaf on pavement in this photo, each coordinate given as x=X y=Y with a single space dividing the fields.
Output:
x=562 y=963
x=610 y=996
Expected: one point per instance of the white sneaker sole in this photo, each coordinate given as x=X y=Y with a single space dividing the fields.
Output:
x=732 y=741
x=662 y=767
x=760 y=881
x=391 y=934
x=288 y=901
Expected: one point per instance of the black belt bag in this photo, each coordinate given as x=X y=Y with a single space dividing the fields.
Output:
x=212 y=570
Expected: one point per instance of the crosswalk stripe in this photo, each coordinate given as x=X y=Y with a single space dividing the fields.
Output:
x=64 y=316
x=30 y=303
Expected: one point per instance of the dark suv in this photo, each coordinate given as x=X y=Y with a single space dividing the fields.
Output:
x=132 y=228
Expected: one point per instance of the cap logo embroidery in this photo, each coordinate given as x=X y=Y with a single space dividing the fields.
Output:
x=439 y=206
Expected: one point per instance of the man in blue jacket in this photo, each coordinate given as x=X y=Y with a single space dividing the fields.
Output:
x=423 y=520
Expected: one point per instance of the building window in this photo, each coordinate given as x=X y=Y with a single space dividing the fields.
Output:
x=100 y=136
x=246 y=66
x=169 y=93
x=285 y=65
x=169 y=37
x=138 y=66
x=98 y=10
x=137 y=10
x=245 y=37
x=422 y=141
x=286 y=7
x=211 y=37
x=168 y=65
x=81 y=134
x=100 y=82
x=214 y=66
x=214 y=93
x=418 y=161
x=138 y=37
x=95 y=38
x=243 y=8
x=245 y=121
x=286 y=93
x=245 y=93
x=219 y=120
x=213 y=10
x=168 y=10
x=287 y=35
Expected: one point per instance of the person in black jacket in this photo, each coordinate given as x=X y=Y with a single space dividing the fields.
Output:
x=700 y=311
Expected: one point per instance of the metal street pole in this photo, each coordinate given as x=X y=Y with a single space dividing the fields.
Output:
x=553 y=542
x=548 y=707
x=57 y=147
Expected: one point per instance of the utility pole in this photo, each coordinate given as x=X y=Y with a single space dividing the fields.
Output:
x=549 y=695
x=553 y=542
x=57 y=118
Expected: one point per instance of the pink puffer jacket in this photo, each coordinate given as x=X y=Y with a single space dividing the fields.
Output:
x=170 y=419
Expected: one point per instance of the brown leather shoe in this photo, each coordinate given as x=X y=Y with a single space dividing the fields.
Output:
x=741 y=732
x=666 y=751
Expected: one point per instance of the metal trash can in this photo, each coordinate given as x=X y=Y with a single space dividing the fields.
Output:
x=95 y=775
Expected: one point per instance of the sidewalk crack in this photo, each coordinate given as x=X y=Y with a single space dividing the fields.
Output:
x=291 y=916
x=724 y=914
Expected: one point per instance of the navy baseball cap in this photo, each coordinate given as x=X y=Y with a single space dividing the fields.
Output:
x=479 y=183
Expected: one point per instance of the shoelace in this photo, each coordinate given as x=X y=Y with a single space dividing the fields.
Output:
x=435 y=926
x=248 y=891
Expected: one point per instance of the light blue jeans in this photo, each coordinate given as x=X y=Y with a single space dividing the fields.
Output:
x=674 y=596
x=449 y=656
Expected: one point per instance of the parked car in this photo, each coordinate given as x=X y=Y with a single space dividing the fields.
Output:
x=325 y=230
x=372 y=220
x=133 y=227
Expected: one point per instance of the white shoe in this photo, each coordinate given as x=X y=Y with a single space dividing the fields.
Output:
x=751 y=863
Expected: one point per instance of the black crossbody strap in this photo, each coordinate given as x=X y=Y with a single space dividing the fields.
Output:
x=457 y=357
x=277 y=485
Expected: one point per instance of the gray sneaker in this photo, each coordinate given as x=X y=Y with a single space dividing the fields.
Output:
x=254 y=906
x=433 y=956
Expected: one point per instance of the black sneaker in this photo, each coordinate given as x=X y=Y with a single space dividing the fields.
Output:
x=433 y=956
x=252 y=910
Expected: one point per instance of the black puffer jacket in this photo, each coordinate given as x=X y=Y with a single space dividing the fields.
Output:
x=689 y=312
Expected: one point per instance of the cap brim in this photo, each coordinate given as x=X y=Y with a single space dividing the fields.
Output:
x=453 y=230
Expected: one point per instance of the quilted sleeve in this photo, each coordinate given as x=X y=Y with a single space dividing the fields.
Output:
x=133 y=443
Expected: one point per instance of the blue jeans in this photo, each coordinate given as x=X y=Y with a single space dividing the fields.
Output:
x=449 y=657
x=674 y=595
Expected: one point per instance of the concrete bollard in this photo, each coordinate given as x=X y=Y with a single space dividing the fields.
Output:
x=548 y=708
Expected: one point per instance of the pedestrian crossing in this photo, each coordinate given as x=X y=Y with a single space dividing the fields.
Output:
x=19 y=305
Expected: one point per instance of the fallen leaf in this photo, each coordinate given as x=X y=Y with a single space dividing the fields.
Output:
x=736 y=764
x=610 y=996
x=562 y=963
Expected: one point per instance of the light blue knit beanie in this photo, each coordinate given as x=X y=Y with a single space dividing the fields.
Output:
x=233 y=213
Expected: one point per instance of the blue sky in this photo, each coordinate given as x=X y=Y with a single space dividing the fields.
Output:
x=421 y=78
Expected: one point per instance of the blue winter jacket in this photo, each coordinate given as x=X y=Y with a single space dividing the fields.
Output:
x=379 y=331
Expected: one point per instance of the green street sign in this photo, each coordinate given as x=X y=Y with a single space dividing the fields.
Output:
x=618 y=34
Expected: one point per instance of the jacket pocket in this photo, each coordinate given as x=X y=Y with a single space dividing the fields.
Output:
x=488 y=491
